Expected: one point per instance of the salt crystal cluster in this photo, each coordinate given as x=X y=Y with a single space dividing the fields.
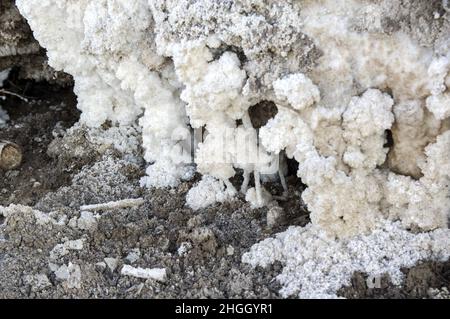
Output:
x=362 y=91
x=208 y=191
x=317 y=266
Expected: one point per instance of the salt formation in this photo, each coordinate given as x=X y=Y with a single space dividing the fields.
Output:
x=20 y=50
x=317 y=266
x=361 y=89
x=208 y=191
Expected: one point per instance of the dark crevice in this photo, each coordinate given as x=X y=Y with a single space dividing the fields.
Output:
x=261 y=113
x=292 y=167
x=389 y=141
x=44 y=109
x=39 y=95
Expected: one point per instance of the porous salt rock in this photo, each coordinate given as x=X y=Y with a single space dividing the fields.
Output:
x=298 y=90
x=207 y=192
x=365 y=121
x=439 y=105
x=95 y=58
x=437 y=71
x=315 y=265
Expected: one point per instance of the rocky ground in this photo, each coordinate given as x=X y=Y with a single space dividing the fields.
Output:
x=74 y=255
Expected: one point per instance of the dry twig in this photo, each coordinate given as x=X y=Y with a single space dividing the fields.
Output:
x=6 y=92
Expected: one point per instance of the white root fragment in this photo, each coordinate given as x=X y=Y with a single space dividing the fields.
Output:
x=5 y=92
x=131 y=202
x=158 y=274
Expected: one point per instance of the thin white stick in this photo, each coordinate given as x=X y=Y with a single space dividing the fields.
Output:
x=2 y=91
x=158 y=274
x=131 y=202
